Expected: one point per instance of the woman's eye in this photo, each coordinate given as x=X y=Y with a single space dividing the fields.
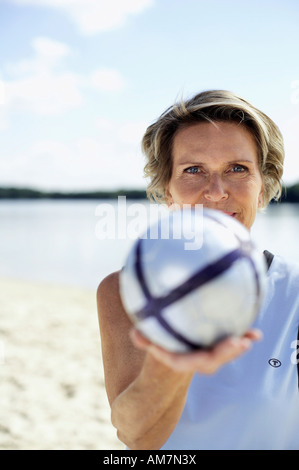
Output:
x=192 y=170
x=238 y=169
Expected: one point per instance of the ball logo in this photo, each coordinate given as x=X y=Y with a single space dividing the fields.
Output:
x=274 y=362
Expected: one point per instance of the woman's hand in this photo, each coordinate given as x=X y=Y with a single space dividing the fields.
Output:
x=204 y=361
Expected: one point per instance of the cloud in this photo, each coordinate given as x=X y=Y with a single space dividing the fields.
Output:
x=94 y=16
x=47 y=95
x=42 y=85
x=36 y=85
x=110 y=160
x=2 y=92
x=125 y=132
x=48 y=54
x=107 y=79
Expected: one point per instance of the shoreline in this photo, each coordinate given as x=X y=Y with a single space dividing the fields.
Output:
x=52 y=391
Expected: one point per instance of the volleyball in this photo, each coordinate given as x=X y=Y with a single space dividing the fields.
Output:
x=192 y=279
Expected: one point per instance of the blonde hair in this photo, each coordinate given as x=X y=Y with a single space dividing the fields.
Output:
x=212 y=106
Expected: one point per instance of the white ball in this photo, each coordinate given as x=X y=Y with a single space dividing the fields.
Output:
x=193 y=279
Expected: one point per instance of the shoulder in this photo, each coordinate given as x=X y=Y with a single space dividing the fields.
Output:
x=284 y=270
x=114 y=322
x=282 y=286
x=113 y=318
x=108 y=297
x=108 y=287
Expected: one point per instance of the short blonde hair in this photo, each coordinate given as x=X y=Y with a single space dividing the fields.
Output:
x=212 y=106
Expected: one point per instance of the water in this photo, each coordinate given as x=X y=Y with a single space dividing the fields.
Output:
x=56 y=241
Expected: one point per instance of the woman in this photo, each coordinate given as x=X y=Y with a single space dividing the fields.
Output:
x=218 y=150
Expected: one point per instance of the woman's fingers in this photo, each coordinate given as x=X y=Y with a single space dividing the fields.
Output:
x=140 y=341
x=205 y=361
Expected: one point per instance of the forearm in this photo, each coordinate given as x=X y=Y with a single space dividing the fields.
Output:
x=147 y=411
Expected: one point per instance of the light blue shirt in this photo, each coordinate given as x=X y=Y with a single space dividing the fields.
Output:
x=253 y=402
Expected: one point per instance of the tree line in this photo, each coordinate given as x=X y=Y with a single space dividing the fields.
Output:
x=290 y=194
x=29 y=193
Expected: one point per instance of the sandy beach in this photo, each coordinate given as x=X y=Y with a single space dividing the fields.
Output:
x=52 y=392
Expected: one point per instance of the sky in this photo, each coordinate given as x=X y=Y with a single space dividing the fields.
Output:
x=80 y=80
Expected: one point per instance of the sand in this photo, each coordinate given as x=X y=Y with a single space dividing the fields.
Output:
x=52 y=391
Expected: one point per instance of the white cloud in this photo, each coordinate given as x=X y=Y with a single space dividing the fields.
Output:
x=94 y=16
x=41 y=84
x=110 y=160
x=48 y=54
x=49 y=48
x=132 y=132
x=35 y=84
x=45 y=95
x=126 y=132
x=107 y=80
x=2 y=92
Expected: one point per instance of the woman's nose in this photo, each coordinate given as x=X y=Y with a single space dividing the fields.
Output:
x=215 y=190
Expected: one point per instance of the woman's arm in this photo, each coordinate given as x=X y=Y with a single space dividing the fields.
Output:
x=146 y=396
x=146 y=385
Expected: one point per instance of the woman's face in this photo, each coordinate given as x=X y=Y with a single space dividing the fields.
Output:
x=216 y=166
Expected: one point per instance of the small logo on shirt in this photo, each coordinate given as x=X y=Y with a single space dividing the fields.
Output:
x=274 y=362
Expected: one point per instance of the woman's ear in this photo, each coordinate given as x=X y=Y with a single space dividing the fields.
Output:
x=261 y=198
x=168 y=197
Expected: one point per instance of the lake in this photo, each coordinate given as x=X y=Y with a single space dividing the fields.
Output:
x=61 y=241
